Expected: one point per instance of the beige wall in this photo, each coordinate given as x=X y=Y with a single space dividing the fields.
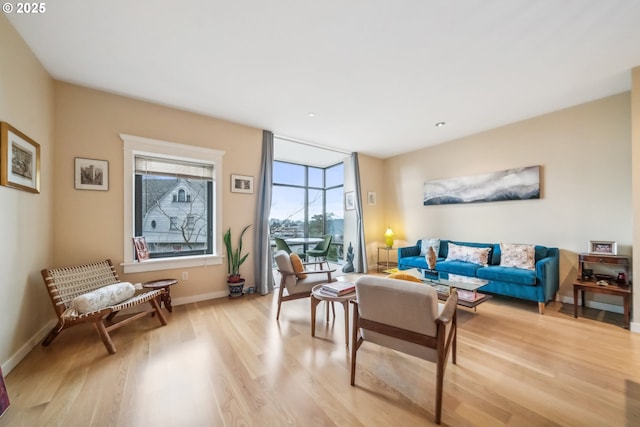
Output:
x=585 y=154
x=88 y=224
x=26 y=101
x=635 y=158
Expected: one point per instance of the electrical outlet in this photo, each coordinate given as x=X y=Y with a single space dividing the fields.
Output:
x=185 y=275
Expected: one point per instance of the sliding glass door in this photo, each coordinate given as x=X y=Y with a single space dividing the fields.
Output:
x=307 y=202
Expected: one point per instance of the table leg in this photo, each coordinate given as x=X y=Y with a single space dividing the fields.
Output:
x=346 y=322
x=626 y=311
x=584 y=301
x=575 y=301
x=166 y=298
x=314 y=305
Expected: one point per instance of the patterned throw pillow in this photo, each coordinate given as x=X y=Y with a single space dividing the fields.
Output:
x=296 y=262
x=468 y=254
x=518 y=256
x=426 y=243
x=103 y=297
x=405 y=276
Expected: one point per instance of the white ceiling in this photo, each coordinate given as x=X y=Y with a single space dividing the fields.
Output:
x=378 y=74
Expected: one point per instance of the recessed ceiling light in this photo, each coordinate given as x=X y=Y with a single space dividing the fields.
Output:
x=311 y=114
x=440 y=124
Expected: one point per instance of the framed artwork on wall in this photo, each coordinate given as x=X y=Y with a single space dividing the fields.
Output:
x=241 y=184
x=91 y=174
x=350 y=200
x=19 y=160
x=4 y=397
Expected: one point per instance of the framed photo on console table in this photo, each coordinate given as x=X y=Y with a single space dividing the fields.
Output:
x=604 y=247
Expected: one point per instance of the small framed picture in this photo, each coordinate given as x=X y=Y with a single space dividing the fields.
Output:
x=241 y=184
x=604 y=247
x=350 y=200
x=371 y=197
x=91 y=174
x=142 y=250
x=19 y=160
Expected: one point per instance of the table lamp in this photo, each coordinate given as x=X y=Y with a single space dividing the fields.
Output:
x=388 y=237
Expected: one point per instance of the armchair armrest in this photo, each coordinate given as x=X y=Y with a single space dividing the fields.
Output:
x=548 y=274
x=449 y=308
x=287 y=273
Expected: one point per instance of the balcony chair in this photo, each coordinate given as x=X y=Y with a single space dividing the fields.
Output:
x=281 y=245
x=406 y=317
x=321 y=249
x=296 y=279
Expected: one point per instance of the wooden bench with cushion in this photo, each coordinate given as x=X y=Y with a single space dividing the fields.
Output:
x=93 y=293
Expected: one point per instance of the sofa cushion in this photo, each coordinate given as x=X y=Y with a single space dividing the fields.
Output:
x=507 y=274
x=468 y=254
x=458 y=267
x=103 y=297
x=413 y=261
x=429 y=242
x=518 y=256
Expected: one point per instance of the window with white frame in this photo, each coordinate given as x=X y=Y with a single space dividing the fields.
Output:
x=173 y=199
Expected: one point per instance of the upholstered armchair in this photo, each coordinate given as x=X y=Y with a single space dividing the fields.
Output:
x=407 y=317
x=296 y=280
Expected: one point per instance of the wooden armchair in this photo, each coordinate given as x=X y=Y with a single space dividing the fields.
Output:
x=68 y=285
x=406 y=317
x=294 y=282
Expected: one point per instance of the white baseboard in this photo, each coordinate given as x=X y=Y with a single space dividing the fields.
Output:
x=200 y=297
x=27 y=347
x=595 y=304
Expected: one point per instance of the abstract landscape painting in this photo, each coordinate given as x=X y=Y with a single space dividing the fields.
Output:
x=510 y=184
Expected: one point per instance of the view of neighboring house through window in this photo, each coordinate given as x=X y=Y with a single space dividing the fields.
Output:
x=307 y=202
x=173 y=206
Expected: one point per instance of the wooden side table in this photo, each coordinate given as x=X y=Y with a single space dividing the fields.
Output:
x=386 y=264
x=591 y=286
x=162 y=284
x=317 y=296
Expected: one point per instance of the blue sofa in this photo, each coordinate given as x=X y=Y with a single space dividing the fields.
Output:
x=538 y=285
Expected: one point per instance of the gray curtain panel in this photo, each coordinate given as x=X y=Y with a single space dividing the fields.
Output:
x=360 y=259
x=263 y=270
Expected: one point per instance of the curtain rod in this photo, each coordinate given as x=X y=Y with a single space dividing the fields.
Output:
x=310 y=144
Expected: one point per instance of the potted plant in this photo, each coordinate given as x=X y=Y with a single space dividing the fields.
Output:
x=234 y=260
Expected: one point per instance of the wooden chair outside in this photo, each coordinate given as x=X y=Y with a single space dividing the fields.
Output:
x=64 y=284
x=406 y=317
x=297 y=288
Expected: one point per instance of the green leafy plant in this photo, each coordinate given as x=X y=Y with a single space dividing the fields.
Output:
x=234 y=257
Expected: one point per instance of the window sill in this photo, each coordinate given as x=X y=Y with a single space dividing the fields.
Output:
x=158 y=264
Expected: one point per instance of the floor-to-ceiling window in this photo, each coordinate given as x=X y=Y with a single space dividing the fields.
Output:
x=307 y=201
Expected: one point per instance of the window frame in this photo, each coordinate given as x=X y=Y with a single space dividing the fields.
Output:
x=137 y=145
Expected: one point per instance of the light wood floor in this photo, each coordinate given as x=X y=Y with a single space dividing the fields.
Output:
x=229 y=363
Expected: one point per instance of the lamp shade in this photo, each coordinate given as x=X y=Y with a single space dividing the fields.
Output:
x=388 y=237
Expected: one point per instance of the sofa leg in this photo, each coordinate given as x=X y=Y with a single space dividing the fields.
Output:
x=541 y=307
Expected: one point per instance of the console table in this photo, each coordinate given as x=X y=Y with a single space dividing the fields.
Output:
x=583 y=286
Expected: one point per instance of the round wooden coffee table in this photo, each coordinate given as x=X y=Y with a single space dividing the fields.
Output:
x=162 y=284
x=317 y=296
